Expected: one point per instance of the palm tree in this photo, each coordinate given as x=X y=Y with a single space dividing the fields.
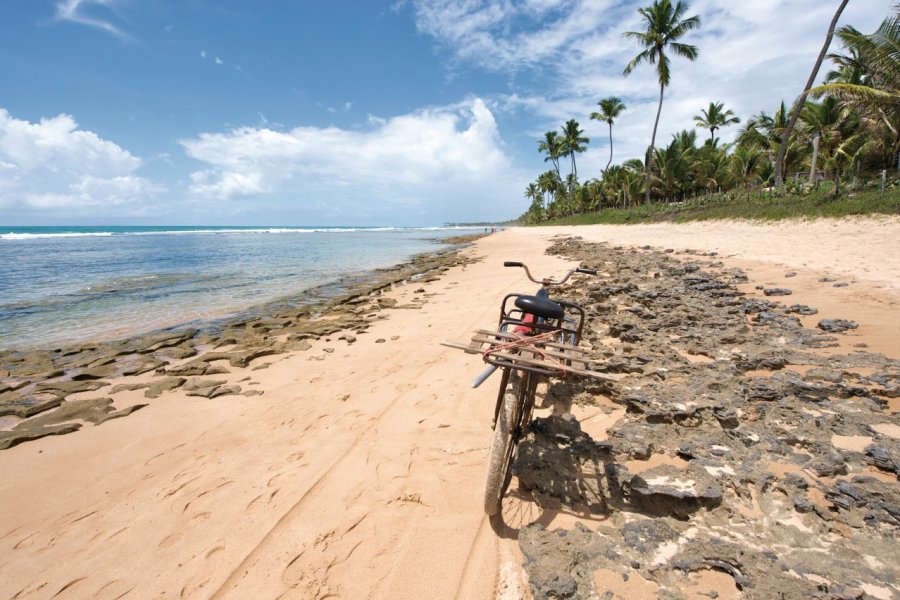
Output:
x=664 y=26
x=610 y=108
x=533 y=191
x=868 y=80
x=552 y=144
x=573 y=141
x=798 y=105
x=549 y=183
x=715 y=117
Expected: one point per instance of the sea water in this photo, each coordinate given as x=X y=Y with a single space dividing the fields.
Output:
x=64 y=285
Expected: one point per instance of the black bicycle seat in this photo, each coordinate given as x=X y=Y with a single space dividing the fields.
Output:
x=540 y=307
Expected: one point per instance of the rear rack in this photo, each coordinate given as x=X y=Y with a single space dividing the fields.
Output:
x=536 y=354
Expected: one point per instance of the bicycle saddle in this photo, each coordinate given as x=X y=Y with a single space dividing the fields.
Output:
x=540 y=307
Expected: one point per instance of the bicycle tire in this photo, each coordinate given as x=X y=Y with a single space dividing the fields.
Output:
x=503 y=442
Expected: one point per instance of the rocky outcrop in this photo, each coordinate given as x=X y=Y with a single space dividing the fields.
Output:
x=744 y=457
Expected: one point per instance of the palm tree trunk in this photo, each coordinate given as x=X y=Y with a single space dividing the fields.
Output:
x=795 y=112
x=815 y=155
x=653 y=143
x=609 y=162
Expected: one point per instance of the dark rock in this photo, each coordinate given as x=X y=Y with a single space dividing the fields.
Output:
x=802 y=309
x=559 y=563
x=836 y=325
x=791 y=274
x=677 y=492
x=883 y=458
x=777 y=292
x=647 y=535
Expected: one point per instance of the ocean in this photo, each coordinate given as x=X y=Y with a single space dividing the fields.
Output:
x=65 y=285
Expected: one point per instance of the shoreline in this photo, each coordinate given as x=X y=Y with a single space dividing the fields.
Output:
x=27 y=376
x=354 y=467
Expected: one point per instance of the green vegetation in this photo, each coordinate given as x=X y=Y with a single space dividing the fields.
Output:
x=750 y=205
x=847 y=134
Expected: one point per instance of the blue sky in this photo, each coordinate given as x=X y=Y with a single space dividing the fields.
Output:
x=406 y=112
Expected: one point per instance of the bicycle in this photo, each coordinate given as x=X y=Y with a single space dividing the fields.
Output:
x=536 y=338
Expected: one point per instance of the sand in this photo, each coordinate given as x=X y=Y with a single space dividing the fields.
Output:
x=359 y=471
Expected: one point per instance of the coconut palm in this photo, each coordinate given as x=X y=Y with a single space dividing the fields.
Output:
x=533 y=191
x=573 y=142
x=663 y=27
x=798 y=105
x=868 y=80
x=552 y=144
x=610 y=108
x=715 y=117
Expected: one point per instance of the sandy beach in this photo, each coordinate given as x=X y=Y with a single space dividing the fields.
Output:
x=355 y=470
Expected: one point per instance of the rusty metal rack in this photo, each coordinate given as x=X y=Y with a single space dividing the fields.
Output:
x=538 y=354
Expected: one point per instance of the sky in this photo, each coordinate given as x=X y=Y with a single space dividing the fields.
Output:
x=354 y=112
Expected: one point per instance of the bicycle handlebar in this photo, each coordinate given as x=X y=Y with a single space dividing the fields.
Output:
x=547 y=281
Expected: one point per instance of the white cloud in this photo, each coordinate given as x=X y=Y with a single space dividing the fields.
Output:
x=76 y=11
x=218 y=60
x=52 y=165
x=567 y=54
x=441 y=160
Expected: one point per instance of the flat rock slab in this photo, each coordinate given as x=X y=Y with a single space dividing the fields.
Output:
x=66 y=388
x=157 y=388
x=30 y=405
x=8 y=439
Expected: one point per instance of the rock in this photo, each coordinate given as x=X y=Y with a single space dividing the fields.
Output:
x=836 y=325
x=8 y=439
x=200 y=384
x=145 y=366
x=157 y=388
x=802 y=309
x=30 y=405
x=93 y=410
x=826 y=280
x=841 y=284
x=225 y=390
x=102 y=372
x=777 y=292
x=191 y=369
x=678 y=492
x=559 y=563
x=884 y=459
x=66 y=388
x=128 y=387
x=242 y=359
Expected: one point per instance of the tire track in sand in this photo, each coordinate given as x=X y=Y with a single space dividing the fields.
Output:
x=242 y=569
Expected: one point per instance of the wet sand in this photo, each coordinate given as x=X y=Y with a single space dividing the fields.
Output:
x=358 y=469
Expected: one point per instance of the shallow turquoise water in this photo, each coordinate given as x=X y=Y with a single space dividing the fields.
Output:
x=64 y=285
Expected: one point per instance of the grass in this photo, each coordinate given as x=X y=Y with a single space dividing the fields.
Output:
x=753 y=205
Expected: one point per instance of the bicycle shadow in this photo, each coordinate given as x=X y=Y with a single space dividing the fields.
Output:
x=559 y=471
x=561 y=474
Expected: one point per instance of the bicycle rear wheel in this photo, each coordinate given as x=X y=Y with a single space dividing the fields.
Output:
x=506 y=432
